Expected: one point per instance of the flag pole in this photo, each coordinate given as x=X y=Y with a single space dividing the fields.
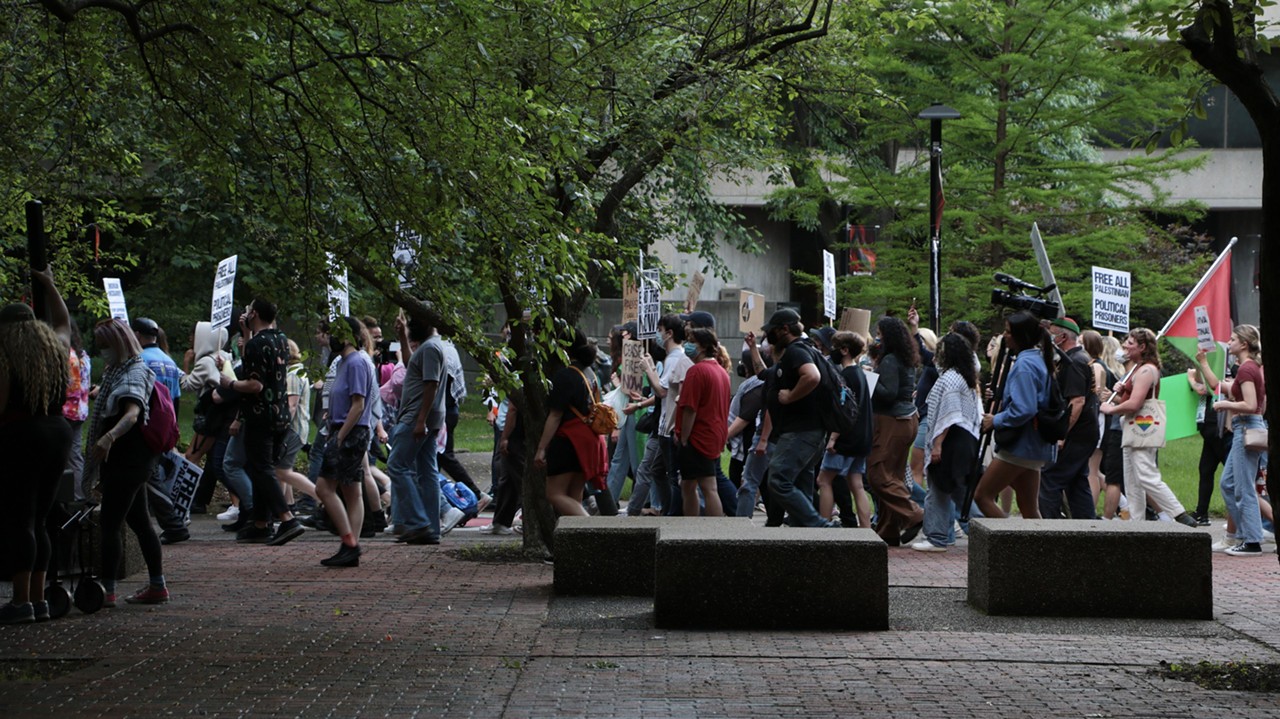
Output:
x=1187 y=300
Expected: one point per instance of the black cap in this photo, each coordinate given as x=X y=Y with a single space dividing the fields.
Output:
x=823 y=335
x=145 y=326
x=784 y=316
x=700 y=319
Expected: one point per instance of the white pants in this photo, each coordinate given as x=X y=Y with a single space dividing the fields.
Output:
x=1142 y=478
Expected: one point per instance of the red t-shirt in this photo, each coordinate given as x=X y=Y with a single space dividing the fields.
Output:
x=706 y=390
x=1250 y=371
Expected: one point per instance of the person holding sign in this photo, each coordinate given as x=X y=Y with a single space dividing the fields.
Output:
x=35 y=439
x=1141 y=471
x=1245 y=407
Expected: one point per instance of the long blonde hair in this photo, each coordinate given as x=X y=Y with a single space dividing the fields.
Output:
x=32 y=355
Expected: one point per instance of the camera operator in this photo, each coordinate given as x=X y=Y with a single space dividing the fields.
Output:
x=1069 y=474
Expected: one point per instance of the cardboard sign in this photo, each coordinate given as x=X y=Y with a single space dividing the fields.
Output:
x=857 y=321
x=224 y=289
x=750 y=311
x=339 y=298
x=648 y=305
x=695 y=291
x=630 y=300
x=1111 y=294
x=828 y=285
x=115 y=298
x=1204 y=330
x=632 y=374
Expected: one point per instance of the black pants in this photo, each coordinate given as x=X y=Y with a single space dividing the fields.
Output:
x=449 y=463
x=511 y=488
x=124 y=500
x=35 y=452
x=261 y=447
x=1213 y=454
x=212 y=471
x=1069 y=475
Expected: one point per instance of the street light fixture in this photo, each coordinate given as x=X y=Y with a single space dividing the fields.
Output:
x=935 y=114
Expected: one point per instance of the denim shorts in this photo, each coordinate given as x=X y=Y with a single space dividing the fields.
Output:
x=843 y=466
x=922 y=434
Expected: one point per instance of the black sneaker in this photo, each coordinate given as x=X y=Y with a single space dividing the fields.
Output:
x=173 y=536
x=17 y=613
x=253 y=535
x=911 y=533
x=1186 y=520
x=1202 y=520
x=346 y=557
x=244 y=520
x=287 y=531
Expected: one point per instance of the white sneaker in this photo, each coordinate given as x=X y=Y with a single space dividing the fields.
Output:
x=450 y=520
x=498 y=529
x=483 y=502
x=1164 y=517
x=925 y=545
x=231 y=515
x=1225 y=543
x=1268 y=537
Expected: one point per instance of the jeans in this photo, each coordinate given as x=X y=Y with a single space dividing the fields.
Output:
x=624 y=457
x=1238 y=478
x=415 y=491
x=752 y=475
x=233 y=474
x=939 y=514
x=791 y=480
x=650 y=475
x=1070 y=474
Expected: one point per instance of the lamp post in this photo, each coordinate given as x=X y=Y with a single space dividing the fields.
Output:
x=935 y=114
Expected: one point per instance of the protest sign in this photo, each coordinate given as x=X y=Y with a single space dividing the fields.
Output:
x=630 y=300
x=828 y=284
x=339 y=298
x=1204 y=330
x=750 y=311
x=648 y=305
x=405 y=255
x=224 y=289
x=695 y=291
x=856 y=320
x=181 y=477
x=633 y=354
x=115 y=298
x=1111 y=293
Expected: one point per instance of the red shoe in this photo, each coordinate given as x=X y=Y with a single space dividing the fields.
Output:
x=149 y=595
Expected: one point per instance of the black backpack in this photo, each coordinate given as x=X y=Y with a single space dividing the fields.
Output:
x=1054 y=418
x=858 y=442
x=837 y=405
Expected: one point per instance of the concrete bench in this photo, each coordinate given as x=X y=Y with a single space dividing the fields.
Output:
x=1090 y=568
x=613 y=556
x=717 y=576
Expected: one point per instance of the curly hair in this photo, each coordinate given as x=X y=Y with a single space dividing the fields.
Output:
x=1150 y=348
x=32 y=356
x=896 y=340
x=955 y=352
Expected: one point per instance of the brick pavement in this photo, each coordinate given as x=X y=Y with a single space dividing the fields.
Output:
x=416 y=631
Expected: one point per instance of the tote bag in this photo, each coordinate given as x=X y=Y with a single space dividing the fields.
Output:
x=1145 y=428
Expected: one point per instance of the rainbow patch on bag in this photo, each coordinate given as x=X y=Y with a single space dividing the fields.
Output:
x=1145 y=422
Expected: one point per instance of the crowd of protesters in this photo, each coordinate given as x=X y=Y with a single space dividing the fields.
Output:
x=924 y=404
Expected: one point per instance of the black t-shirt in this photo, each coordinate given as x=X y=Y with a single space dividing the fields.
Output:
x=569 y=390
x=266 y=359
x=798 y=416
x=1075 y=379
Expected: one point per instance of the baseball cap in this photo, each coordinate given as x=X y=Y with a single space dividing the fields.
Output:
x=699 y=319
x=823 y=335
x=1066 y=323
x=784 y=316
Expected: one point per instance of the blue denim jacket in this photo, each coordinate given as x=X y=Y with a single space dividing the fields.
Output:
x=1025 y=390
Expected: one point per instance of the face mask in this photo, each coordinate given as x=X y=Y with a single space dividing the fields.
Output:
x=1122 y=356
x=690 y=349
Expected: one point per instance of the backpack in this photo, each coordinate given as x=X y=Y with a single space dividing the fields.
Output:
x=858 y=442
x=160 y=431
x=837 y=406
x=1054 y=418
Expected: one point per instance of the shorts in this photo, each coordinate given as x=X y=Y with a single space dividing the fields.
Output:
x=694 y=464
x=562 y=458
x=288 y=450
x=842 y=465
x=1024 y=463
x=922 y=435
x=344 y=463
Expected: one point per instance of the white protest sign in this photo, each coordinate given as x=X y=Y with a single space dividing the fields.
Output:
x=649 y=306
x=224 y=289
x=339 y=299
x=405 y=255
x=181 y=477
x=1111 y=293
x=1204 y=330
x=632 y=374
x=828 y=284
x=115 y=298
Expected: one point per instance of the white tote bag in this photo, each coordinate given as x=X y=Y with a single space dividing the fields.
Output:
x=1145 y=428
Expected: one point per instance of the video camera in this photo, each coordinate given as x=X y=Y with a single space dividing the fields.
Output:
x=1040 y=306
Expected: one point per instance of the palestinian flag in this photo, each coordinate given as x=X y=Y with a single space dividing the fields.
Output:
x=1213 y=293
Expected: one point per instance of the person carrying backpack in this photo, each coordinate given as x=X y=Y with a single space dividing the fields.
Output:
x=846 y=454
x=1069 y=475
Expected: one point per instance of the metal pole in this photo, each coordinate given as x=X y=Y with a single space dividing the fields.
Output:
x=37 y=253
x=935 y=225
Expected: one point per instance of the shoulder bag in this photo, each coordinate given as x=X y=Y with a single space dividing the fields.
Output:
x=601 y=417
x=1145 y=429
